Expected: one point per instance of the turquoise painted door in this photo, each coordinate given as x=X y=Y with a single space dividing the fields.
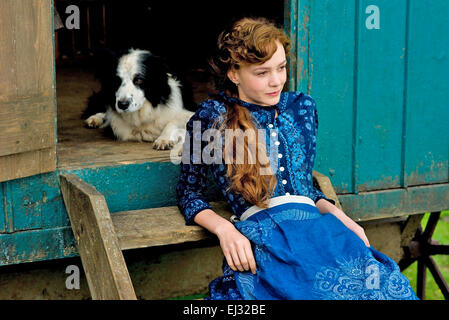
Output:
x=377 y=70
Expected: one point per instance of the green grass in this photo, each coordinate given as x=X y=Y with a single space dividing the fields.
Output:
x=191 y=297
x=441 y=235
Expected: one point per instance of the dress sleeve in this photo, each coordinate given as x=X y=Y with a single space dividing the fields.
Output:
x=191 y=187
x=316 y=194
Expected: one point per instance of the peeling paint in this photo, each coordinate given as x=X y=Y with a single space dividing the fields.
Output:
x=385 y=182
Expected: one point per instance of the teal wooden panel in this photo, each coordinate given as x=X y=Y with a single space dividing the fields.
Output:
x=332 y=58
x=397 y=202
x=137 y=186
x=296 y=24
x=37 y=245
x=290 y=18
x=22 y=208
x=2 y=209
x=34 y=202
x=427 y=125
x=379 y=97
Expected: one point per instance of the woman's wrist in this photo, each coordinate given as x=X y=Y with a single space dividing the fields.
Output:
x=212 y=221
x=222 y=227
x=325 y=206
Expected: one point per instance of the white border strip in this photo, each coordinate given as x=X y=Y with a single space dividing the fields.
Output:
x=276 y=201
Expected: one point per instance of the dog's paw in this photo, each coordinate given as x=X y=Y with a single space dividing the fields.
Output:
x=162 y=144
x=94 y=121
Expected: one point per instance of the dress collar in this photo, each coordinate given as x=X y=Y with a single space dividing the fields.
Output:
x=263 y=114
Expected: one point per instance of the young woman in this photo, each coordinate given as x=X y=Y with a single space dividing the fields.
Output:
x=286 y=240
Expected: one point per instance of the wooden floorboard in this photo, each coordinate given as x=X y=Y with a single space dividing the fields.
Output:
x=80 y=147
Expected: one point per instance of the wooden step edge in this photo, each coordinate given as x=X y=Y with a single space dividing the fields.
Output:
x=326 y=187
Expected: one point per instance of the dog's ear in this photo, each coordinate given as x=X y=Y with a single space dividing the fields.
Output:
x=155 y=84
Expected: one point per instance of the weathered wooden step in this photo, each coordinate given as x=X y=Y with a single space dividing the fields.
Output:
x=159 y=226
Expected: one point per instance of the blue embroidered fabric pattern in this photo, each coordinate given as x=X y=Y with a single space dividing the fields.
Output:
x=348 y=281
x=295 y=128
x=315 y=256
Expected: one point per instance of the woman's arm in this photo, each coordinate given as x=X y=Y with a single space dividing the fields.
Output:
x=211 y=221
x=325 y=206
x=192 y=202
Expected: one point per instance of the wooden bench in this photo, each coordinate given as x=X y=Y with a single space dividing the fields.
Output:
x=101 y=237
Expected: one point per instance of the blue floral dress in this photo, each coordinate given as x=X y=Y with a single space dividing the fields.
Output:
x=300 y=253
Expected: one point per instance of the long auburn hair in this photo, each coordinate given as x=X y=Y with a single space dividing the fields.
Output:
x=247 y=41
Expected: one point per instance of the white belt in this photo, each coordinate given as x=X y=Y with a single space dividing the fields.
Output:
x=276 y=201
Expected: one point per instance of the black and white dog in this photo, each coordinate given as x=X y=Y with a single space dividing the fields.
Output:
x=140 y=100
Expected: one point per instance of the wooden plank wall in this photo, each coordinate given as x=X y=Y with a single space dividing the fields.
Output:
x=381 y=94
x=27 y=100
x=331 y=62
x=297 y=26
x=427 y=107
x=2 y=209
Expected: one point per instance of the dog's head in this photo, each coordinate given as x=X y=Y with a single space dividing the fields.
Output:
x=134 y=78
x=143 y=76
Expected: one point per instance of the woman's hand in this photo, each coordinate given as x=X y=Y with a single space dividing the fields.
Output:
x=236 y=248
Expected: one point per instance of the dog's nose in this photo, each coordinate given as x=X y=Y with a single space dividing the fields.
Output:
x=123 y=104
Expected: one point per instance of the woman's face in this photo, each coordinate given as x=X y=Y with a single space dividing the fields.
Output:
x=262 y=83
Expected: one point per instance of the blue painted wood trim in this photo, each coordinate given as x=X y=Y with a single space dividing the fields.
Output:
x=333 y=65
x=2 y=209
x=138 y=186
x=427 y=89
x=396 y=202
x=296 y=25
x=290 y=18
x=37 y=245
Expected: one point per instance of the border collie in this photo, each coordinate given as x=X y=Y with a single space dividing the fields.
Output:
x=140 y=100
